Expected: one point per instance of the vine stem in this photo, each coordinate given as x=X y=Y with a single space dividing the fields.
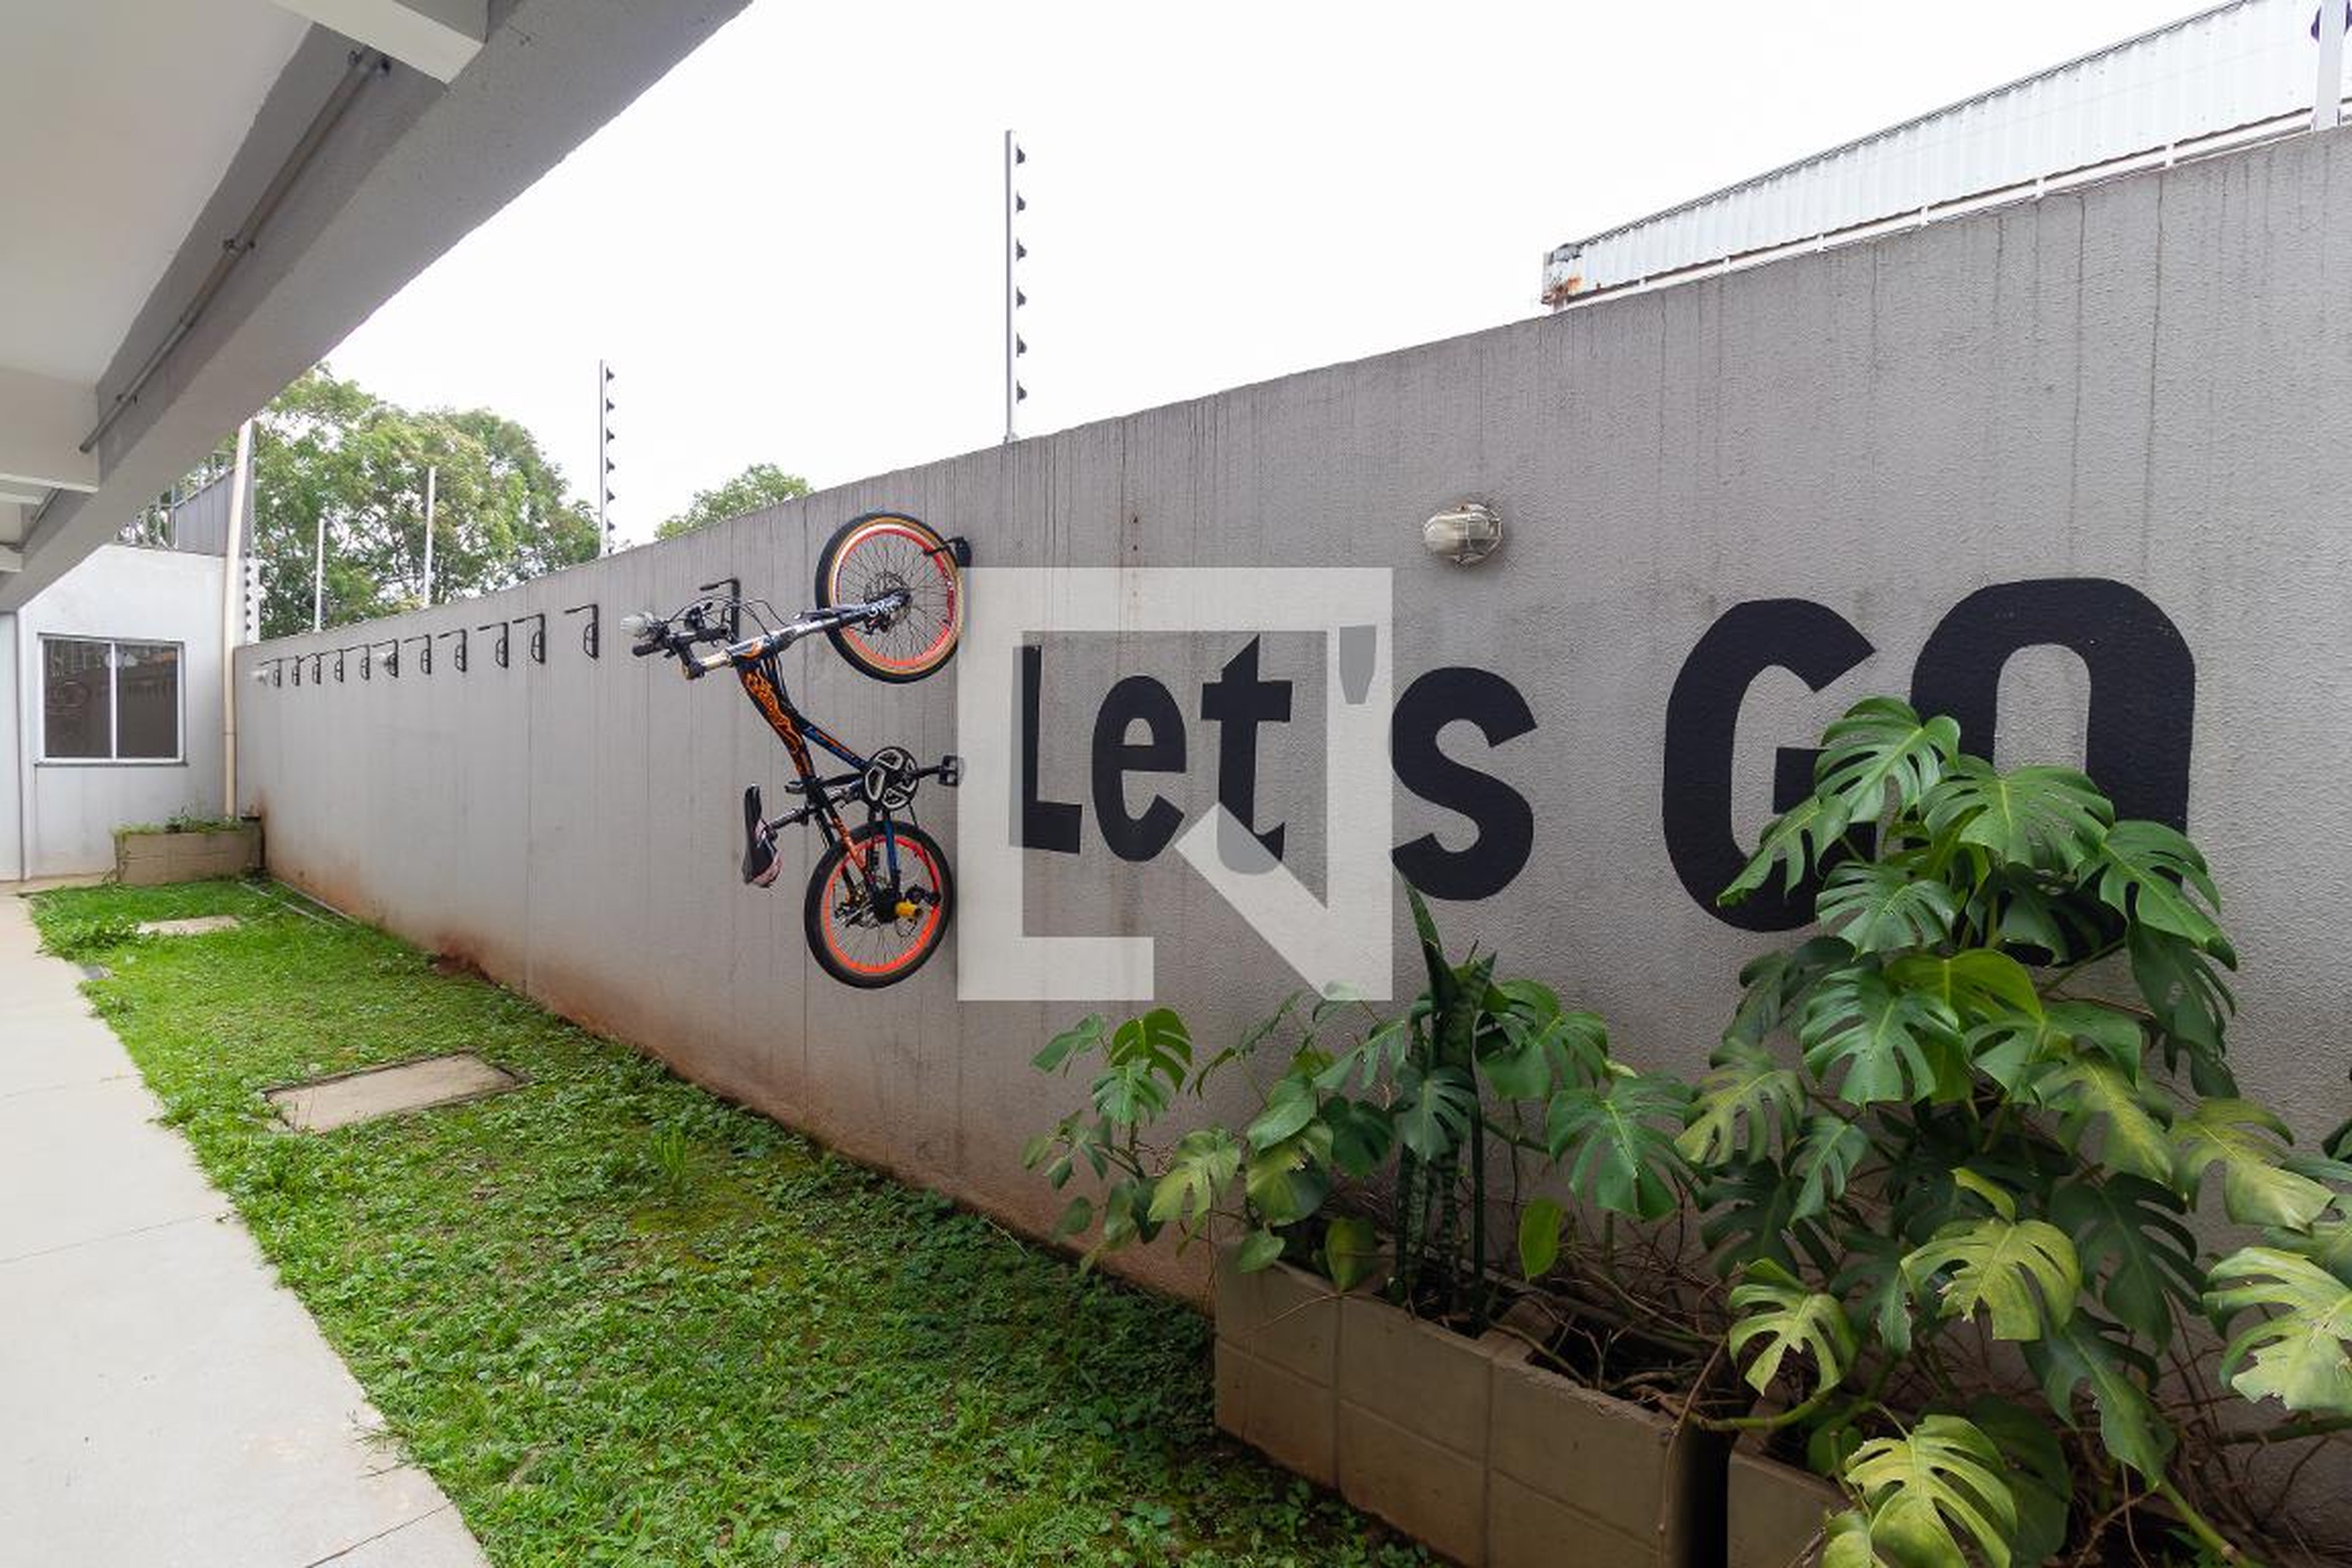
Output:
x=2198 y=1525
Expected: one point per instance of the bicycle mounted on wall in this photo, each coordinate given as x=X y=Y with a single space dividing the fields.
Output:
x=889 y=596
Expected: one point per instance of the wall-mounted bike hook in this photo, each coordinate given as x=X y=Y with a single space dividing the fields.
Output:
x=460 y=635
x=297 y=669
x=498 y=649
x=589 y=633
x=734 y=586
x=424 y=652
x=367 y=661
x=538 y=643
x=339 y=666
x=391 y=658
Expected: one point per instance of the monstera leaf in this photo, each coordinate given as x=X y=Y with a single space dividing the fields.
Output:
x=1203 y=1164
x=1525 y=1059
x=1885 y=906
x=1929 y=1497
x=2009 y=1048
x=2044 y=819
x=2297 y=1356
x=1881 y=745
x=2148 y=872
x=2139 y=1258
x=1288 y=1181
x=1747 y=1101
x=1434 y=1109
x=1891 y=1042
x=1776 y=982
x=2246 y=1142
x=2133 y=1142
x=1746 y=1214
x=1618 y=1140
x=1798 y=839
x=2083 y=1353
x=1774 y=1308
x=1823 y=1162
x=2192 y=1004
x=1145 y=1063
x=2023 y=1272
x=1979 y=984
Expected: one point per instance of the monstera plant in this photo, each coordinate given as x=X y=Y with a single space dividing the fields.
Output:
x=1410 y=1107
x=1977 y=1108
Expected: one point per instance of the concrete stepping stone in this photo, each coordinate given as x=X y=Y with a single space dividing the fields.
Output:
x=345 y=1098
x=198 y=926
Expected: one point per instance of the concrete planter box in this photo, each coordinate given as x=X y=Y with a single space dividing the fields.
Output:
x=1773 y=1513
x=144 y=859
x=1462 y=1443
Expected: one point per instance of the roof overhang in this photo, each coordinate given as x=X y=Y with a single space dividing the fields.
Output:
x=288 y=165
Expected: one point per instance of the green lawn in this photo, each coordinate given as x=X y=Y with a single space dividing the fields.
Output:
x=621 y=1321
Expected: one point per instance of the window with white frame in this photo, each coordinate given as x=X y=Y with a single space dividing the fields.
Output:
x=108 y=702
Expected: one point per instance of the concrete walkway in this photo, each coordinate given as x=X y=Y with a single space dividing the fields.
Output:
x=165 y=1403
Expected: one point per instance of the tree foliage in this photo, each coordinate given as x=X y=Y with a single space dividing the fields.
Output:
x=327 y=449
x=757 y=488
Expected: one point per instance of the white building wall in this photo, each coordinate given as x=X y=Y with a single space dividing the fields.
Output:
x=70 y=809
x=12 y=844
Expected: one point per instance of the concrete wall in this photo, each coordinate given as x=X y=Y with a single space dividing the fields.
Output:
x=73 y=808
x=2135 y=391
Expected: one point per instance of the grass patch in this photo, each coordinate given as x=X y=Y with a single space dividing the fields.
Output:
x=623 y=1322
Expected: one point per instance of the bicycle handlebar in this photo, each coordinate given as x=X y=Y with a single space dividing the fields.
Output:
x=655 y=634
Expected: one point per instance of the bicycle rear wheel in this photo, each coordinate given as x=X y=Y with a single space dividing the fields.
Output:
x=879 y=554
x=870 y=925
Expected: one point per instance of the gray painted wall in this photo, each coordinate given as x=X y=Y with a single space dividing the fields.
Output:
x=2142 y=382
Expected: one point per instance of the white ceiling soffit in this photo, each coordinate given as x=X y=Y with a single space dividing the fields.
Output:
x=439 y=37
x=141 y=107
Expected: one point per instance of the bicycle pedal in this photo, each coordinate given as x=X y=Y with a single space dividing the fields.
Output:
x=952 y=769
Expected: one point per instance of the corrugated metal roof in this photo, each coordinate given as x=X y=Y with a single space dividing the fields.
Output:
x=2223 y=76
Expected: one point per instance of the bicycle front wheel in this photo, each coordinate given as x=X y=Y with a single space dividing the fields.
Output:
x=881 y=554
x=878 y=904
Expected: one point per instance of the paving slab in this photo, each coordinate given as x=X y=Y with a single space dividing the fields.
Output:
x=331 y=1102
x=195 y=925
x=164 y=1401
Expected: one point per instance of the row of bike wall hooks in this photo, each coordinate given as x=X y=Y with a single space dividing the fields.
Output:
x=336 y=663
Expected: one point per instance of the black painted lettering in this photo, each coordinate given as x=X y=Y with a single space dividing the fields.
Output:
x=1045 y=824
x=1815 y=643
x=2143 y=680
x=1139 y=697
x=1237 y=702
x=1506 y=823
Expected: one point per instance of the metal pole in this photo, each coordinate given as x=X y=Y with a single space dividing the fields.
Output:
x=1011 y=382
x=431 y=473
x=240 y=496
x=2328 y=95
x=319 y=576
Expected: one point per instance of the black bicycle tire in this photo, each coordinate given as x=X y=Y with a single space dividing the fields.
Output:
x=814 y=911
x=844 y=644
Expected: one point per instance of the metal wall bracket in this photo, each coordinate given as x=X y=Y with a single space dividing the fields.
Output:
x=460 y=635
x=339 y=666
x=538 y=643
x=423 y=653
x=590 y=634
x=367 y=661
x=498 y=649
x=391 y=658
x=734 y=586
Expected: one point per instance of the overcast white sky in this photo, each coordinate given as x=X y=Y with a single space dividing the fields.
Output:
x=791 y=249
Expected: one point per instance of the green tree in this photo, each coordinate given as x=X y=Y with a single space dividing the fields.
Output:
x=327 y=449
x=757 y=488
